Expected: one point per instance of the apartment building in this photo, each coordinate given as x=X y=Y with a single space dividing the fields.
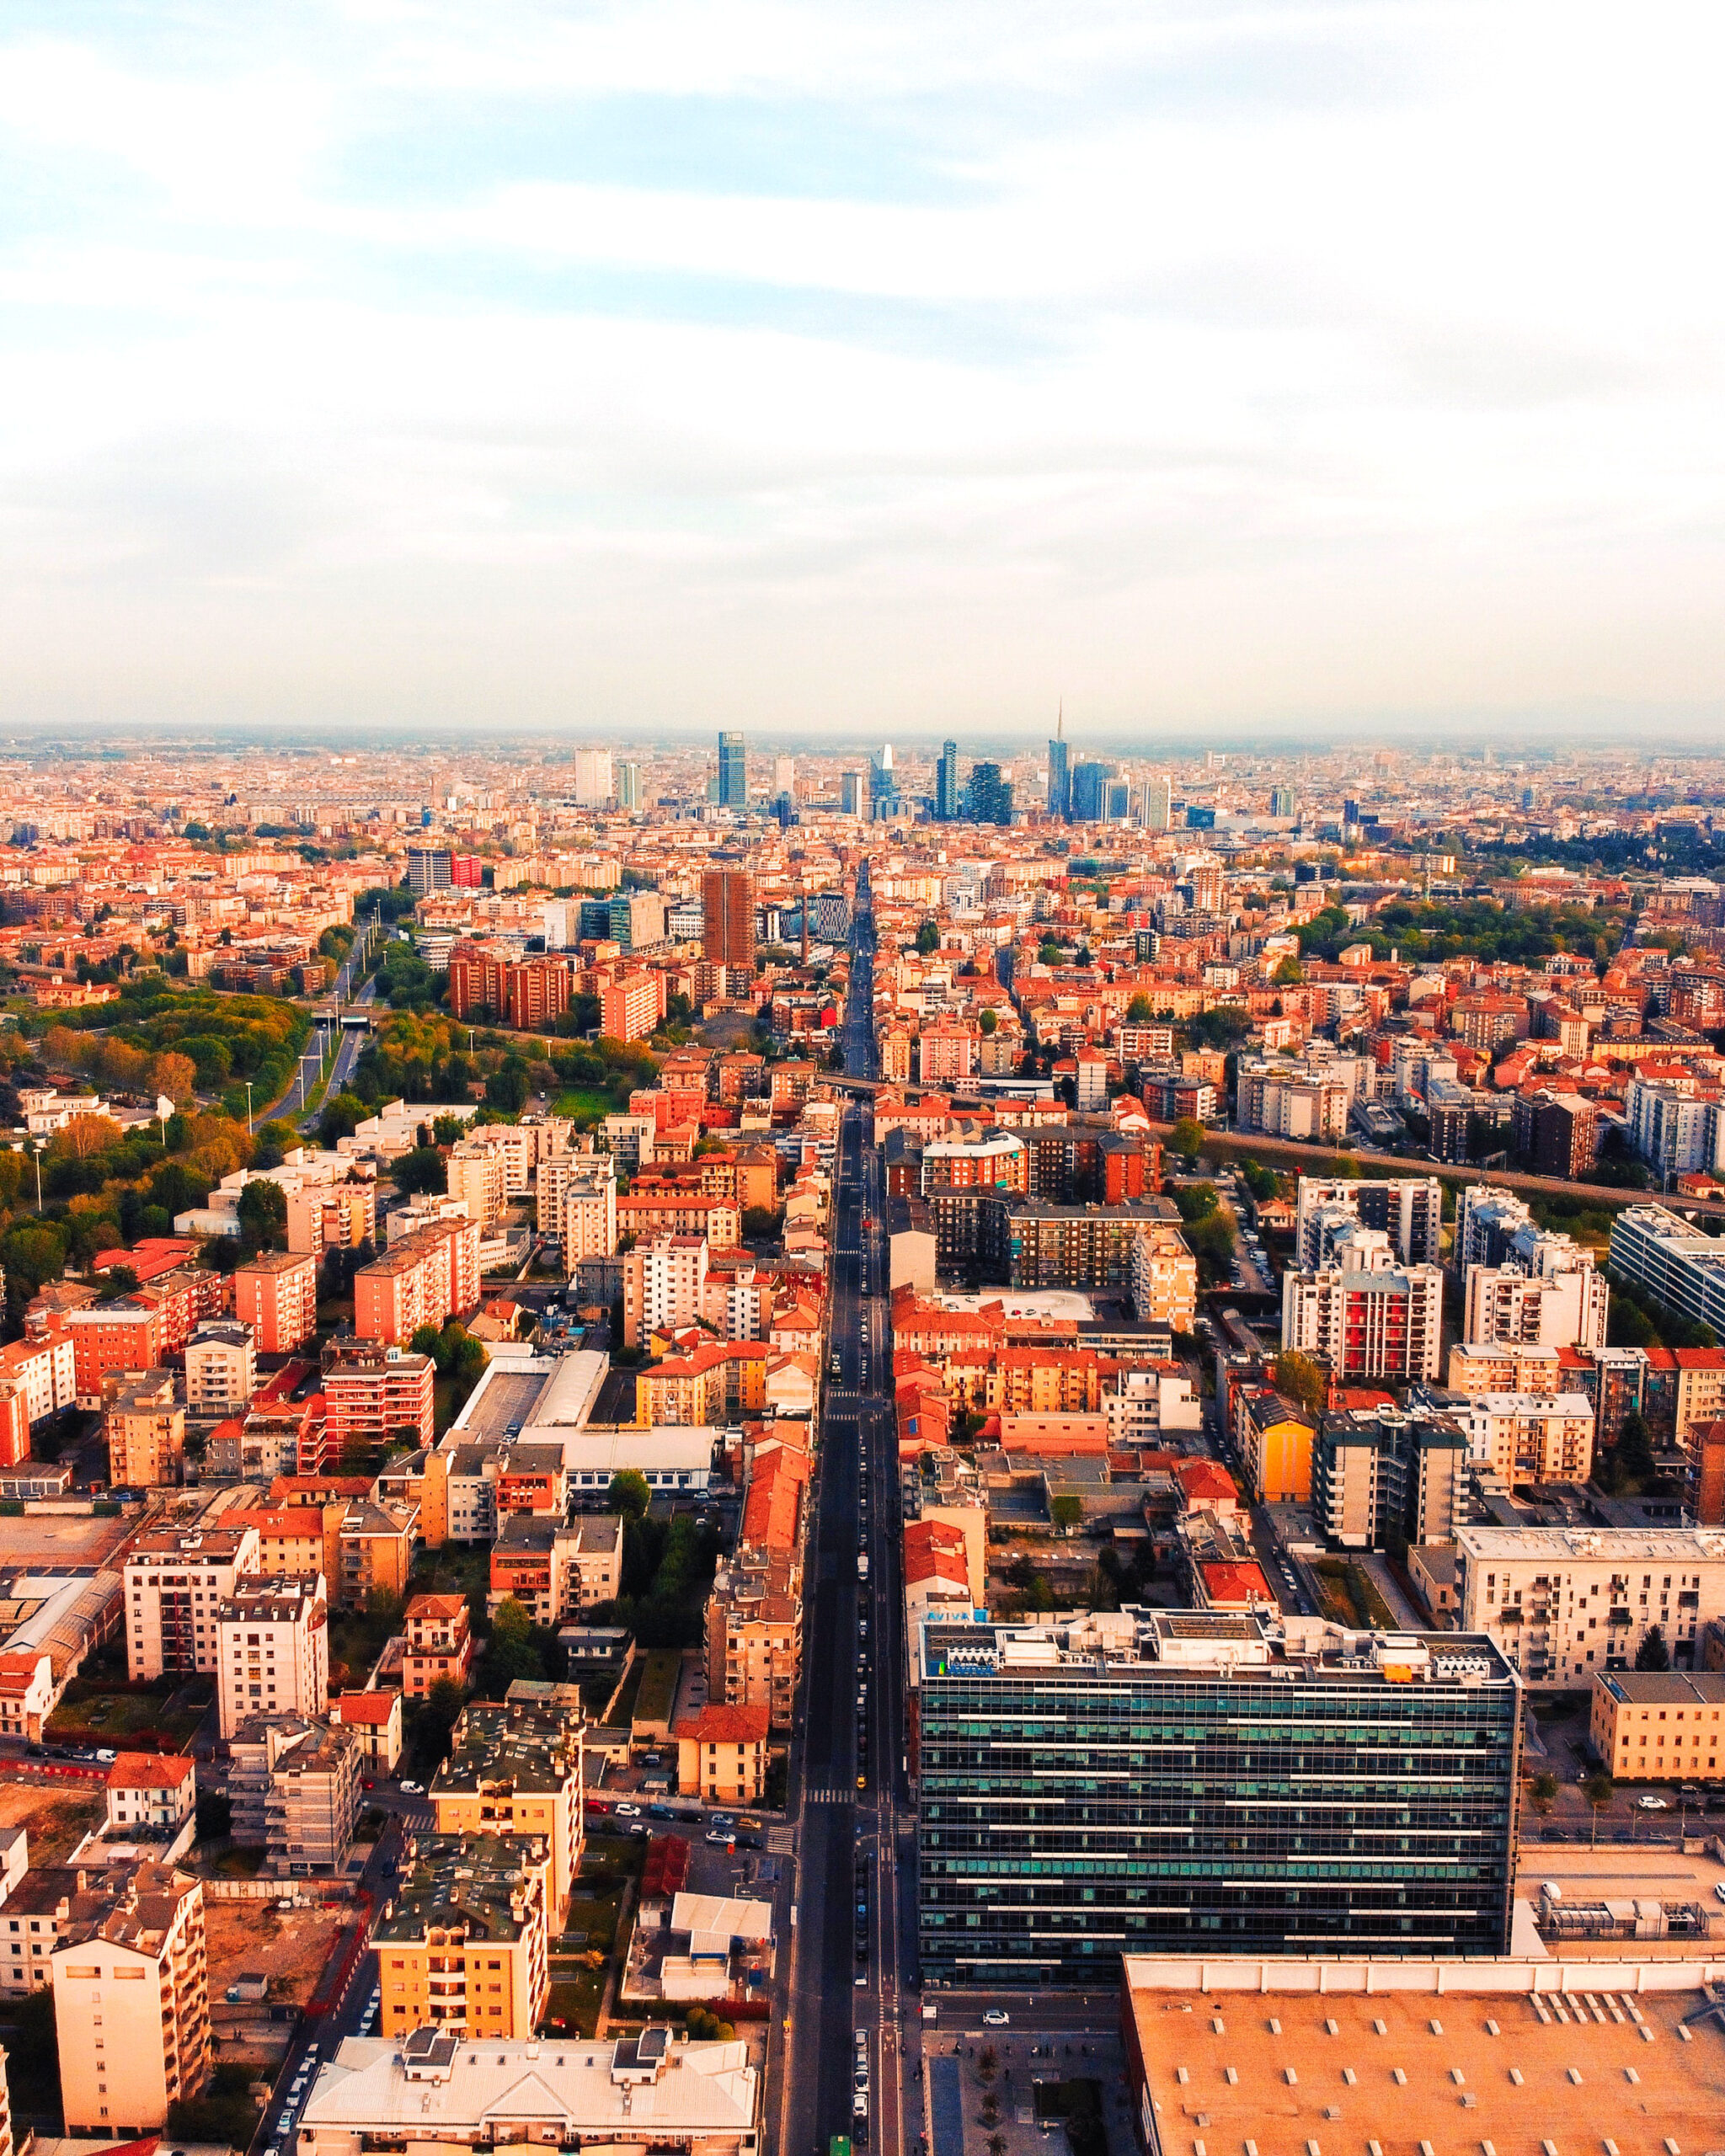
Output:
x=1528 y=1437
x=1379 y=1475
x=1558 y=1133
x=1509 y=1307
x=556 y=1572
x=375 y=1721
x=372 y=1395
x=1407 y=1210
x=144 y=1424
x=44 y=1371
x=1367 y=1318
x=728 y=916
x=425 y=1278
x=1275 y=1440
x=583 y=1216
x=273 y=1649
x=476 y=1178
x=1162 y=1276
x=631 y=1005
x=514 y=1768
x=332 y=1216
x=720 y=1382
x=665 y=1284
x=1041 y=1863
x=722 y=1752
x=175 y=1582
x=276 y=1293
x=439 y=1643
x=1663 y=1726
x=753 y=1633
x=998 y=1162
x=1563 y=1603
x=1050 y=1245
x=1283 y=1102
x=131 y=2000
x=294 y=1785
x=1505 y=1368
x=1683 y=1268
x=27 y=1694
x=369 y=1548
x=110 y=1338
x=463 y=1949
x=221 y=1370
x=681 y=1212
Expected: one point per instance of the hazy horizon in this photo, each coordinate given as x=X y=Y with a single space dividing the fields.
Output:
x=1244 y=370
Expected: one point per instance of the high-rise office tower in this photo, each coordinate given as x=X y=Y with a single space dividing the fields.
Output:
x=1283 y=801
x=1090 y=791
x=1157 y=809
x=946 y=782
x=784 y=775
x=1189 y=1781
x=428 y=869
x=628 y=785
x=1117 y=796
x=728 y=911
x=1059 y=781
x=882 y=783
x=732 y=771
x=851 y=796
x=592 y=775
x=991 y=796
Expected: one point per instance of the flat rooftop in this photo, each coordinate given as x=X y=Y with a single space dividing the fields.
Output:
x=1604 y=2073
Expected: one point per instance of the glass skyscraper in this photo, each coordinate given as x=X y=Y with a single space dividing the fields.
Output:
x=1089 y=796
x=732 y=771
x=1194 y=1781
x=946 y=783
x=1060 y=783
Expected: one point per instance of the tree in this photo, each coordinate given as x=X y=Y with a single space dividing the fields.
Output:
x=1288 y=974
x=628 y=1493
x=449 y=1130
x=928 y=938
x=420 y=1170
x=1598 y=1789
x=262 y=1216
x=1652 y=1654
x=506 y=1088
x=1544 y=1792
x=1303 y=1381
x=176 y=1075
x=1066 y=1510
x=760 y=1224
x=1138 y=1010
x=987 y=1021
x=427 y=1340
x=1187 y=1136
x=437 y=1719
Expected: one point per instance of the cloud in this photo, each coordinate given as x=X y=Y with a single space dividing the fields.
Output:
x=1245 y=360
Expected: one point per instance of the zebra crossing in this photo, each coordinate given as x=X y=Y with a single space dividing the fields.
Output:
x=781 y=1841
x=830 y=1793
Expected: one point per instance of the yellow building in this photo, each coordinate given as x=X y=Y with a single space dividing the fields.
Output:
x=514 y=1768
x=1661 y=1725
x=466 y=1947
x=1276 y=1440
x=145 y=1426
x=131 y=2001
x=722 y=1753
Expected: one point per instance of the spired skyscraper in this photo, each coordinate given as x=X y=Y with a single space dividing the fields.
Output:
x=732 y=771
x=946 y=783
x=1059 y=780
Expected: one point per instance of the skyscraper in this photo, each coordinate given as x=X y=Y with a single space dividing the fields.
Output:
x=592 y=777
x=727 y=910
x=1284 y=801
x=628 y=785
x=1158 y=799
x=990 y=797
x=1090 y=791
x=732 y=771
x=1059 y=780
x=946 y=783
x=851 y=794
x=882 y=783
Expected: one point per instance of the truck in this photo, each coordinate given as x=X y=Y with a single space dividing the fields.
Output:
x=862 y=1564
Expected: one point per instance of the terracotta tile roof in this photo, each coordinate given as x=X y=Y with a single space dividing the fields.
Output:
x=373 y=1709
x=149 y=1770
x=721 y=1724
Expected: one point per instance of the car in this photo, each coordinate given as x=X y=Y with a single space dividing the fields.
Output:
x=104 y=1758
x=1719 y=1891
x=996 y=2018
x=660 y=1811
x=751 y=1841
x=628 y=1812
x=413 y=1788
x=1651 y=1804
x=718 y=1838
x=721 y=1819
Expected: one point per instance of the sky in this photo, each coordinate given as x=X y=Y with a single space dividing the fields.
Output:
x=1218 y=370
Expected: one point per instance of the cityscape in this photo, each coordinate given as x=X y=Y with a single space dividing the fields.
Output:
x=862 y=1080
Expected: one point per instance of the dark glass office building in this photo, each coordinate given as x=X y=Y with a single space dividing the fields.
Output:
x=732 y=771
x=946 y=783
x=1176 y=1780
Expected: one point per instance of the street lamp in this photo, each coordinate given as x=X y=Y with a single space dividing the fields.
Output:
x=36 y=1145
x=249 y=1105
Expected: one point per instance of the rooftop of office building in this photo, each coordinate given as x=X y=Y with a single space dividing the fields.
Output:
x=1179 y=1642
x=1486 y=1543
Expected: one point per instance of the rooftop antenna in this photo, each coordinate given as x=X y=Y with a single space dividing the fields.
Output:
x=1061 y=720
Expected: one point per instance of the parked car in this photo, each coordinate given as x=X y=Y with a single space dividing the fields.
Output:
x=1651 y=1804
x=413 y=1788
x=996 y=2018
x=628 y=1812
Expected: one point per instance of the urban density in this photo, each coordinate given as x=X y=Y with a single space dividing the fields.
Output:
x=734 y=1436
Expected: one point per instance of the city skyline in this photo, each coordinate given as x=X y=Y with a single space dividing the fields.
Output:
x=1247 y=371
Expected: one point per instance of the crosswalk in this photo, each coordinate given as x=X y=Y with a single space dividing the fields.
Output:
x=830 y=1793
x=781 y=1841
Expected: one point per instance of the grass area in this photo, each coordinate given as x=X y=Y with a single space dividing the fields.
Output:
x=587 y=1104
x=356 y=1639
x=623 y=1713
x=88 y=1709
x=56 y=1819
x=1078 y=2106
x=658 y=1691
x=1350 y=1597
x=592 y=1921
x=574 y=2003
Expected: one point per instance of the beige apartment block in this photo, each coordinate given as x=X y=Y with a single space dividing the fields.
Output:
x=175 y=1582
x=221 y=1370
x=1659 y=1726
x=515 y=1767
x=465 y=1948
x=131 y=2001
x=273 y=1649
x=144 y=1422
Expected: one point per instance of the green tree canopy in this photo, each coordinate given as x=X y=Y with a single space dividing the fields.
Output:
x=628 y=1493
